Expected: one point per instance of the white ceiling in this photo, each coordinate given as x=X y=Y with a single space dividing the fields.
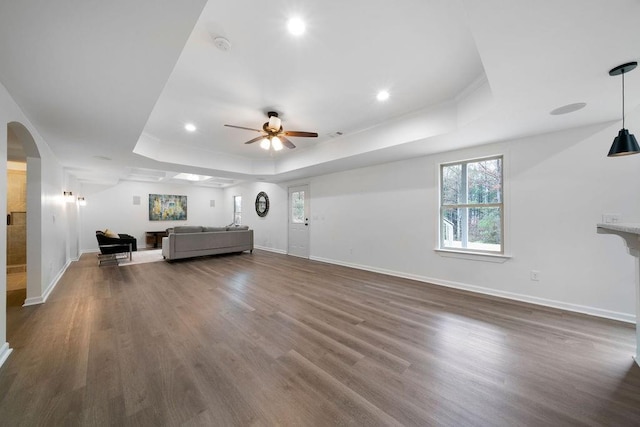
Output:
x=120 y=79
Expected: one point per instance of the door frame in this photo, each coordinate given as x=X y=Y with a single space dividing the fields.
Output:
x=307 y=190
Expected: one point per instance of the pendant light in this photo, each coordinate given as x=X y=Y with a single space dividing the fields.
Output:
x=625 y=143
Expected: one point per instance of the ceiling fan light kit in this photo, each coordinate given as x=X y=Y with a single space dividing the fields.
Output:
x=271 y=142
x=273 y=135
x=625 y=143
x=276 y=143
x=274 y=123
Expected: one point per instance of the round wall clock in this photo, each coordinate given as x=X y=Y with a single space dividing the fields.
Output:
x=262 y=204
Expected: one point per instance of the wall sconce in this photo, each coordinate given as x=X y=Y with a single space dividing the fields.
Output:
x=68 y=196
x=82 y=201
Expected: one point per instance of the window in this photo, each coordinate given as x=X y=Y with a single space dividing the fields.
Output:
x=297 y=207
x=237 y=210
x=471 y=206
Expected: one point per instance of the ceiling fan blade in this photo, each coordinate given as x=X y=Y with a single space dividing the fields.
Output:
x=298 y=133
x=286 y=142
x=242 y=127
x=255 y=139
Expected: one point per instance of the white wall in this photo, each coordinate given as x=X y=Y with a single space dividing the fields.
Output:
x=385 y=218
x=112 y=207
x=53 y=250
x=269 y=232
x=51 y=238
x=73 y=220
x=5 y=118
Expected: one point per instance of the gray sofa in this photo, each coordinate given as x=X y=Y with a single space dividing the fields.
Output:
x=194 y=241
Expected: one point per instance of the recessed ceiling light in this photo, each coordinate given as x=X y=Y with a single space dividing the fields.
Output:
x=190 y=127
x=383 y=95
x=296 y=26
x=568 y=108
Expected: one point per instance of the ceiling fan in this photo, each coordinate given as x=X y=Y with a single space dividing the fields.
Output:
x=273 y=135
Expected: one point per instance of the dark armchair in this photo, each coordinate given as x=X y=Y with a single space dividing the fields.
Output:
x=116 y=245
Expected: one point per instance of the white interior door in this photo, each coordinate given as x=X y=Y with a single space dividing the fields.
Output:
x=299 y=221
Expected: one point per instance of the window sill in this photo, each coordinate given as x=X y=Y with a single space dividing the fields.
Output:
x=473 y=256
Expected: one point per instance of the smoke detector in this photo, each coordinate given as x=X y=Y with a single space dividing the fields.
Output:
x=222 y=43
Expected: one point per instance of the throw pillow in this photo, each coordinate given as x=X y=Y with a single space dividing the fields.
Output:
x=110 y=233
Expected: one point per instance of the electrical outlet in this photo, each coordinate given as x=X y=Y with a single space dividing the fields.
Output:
x=611 y=218
x=535 y=275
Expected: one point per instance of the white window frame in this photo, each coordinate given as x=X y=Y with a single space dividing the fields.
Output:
x=237 y=213
x=441 y=208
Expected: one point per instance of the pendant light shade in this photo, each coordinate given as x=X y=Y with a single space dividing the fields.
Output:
x=625 y=143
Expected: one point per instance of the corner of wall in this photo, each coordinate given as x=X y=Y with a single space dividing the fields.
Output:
x=50 y=287
x=5 y=351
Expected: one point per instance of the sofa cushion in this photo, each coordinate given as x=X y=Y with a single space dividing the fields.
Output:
x=206 y=241
x=188 y=245
x=205 y=229
x=238 y=228
x=187 y=229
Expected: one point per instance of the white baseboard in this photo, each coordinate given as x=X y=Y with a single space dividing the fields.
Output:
x=277 y=251
x=5 y=351
x=593 y=311
x=43 y=298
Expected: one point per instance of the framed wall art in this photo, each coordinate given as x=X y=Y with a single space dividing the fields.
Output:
x=167 y=207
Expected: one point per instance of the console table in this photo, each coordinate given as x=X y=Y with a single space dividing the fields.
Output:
x=630 y=232
x=154 y=238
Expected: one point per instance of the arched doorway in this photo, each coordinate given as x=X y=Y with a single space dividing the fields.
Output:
x=22 y=150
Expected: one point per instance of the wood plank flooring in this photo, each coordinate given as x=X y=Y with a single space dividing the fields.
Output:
x=264 y=339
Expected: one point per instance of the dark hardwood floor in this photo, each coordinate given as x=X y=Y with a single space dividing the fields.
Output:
x=264 y=339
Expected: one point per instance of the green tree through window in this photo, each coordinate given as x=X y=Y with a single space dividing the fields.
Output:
x=471 y=205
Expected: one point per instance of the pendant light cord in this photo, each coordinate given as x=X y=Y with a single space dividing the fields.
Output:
x=623 y=99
